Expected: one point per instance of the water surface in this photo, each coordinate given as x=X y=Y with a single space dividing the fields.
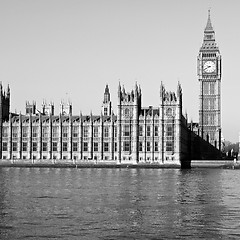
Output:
x=49 y=203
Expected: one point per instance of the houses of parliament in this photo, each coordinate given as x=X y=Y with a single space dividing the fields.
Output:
x=135 y=134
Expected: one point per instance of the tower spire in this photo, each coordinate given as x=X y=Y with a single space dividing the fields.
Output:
x=106 y=94
x=209 y=43
x=209 y=27
x=107 y=105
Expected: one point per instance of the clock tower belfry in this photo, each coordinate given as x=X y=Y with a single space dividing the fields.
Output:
x=209 y=76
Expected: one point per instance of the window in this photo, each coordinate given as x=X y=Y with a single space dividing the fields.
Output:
x=212 y=119
x=212 y=103
x=95 y=146
x=126 y=130
x=156 y=131
x=115 y=147
x=64 y=146
x=126 y=146
x=34 y=131
x=169 y=112
x=30 y=109
x=140 y=131
x=148 y=146
x=54 y=146
x=44 y=146
x=24 y=132
x=205 y=88
x=34 y=146
x=127 y=112
x=169 y=130
x=169 y=146
x=85 y=146
x=205 y=119
x=4 y=146
x=75 y=130
x=65 y=131
x=24 y=146
x=105 y=111
x=45 y=131
x=14 y=146
x=55 y=130
x=75 y=146
x=106 y=132
x=5 y=132
x=211 y=136
x=212 y=88
x=206 y=103
x=115 y=131
x=209 y=37
x=106 y=147
x=85 y=131
x=15 y=132
x=156 y=146
x=140 y=146
x=95 y=131
x=148 y=131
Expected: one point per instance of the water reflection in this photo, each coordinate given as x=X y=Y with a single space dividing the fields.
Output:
x=119 y=203
x=200 y=203
x=5 y=224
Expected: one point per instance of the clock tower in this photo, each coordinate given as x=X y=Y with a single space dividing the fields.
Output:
x=209 y=76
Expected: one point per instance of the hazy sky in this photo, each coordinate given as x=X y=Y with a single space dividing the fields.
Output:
x=59 y=50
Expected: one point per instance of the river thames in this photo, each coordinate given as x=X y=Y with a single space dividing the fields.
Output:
x=68 y=203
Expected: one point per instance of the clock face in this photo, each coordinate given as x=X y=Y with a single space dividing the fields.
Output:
x=209 y=67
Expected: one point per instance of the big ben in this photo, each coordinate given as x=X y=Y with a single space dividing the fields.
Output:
x=209 y=76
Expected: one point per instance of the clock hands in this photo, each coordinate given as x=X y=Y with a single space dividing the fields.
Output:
x=207 y=67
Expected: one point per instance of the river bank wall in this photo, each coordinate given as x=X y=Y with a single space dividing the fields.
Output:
x=112 y=164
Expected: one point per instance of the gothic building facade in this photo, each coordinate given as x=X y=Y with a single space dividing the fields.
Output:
x=136 y=134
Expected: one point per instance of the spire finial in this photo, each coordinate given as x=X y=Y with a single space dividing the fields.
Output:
x=209 y=24
x=106 y=89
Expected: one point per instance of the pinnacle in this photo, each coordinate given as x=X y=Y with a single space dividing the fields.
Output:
x=209 y=23
x=106 y=89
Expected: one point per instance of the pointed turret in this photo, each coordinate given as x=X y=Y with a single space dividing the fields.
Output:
x=119 y=91
x=179 y=89
x=66 y=108
x=47 y=109
x=107 y=105
x=179 y=92
x=8 y=91
x=106 y=95
x=162 y=90
x=1 y=88
x=136 y=93
x=80 y=117
x=136 y=88
x=30 y=108
x=106 y=89
x=209 y=27
x=209 y=43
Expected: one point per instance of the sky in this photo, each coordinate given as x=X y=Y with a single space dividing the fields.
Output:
x=68 y=50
